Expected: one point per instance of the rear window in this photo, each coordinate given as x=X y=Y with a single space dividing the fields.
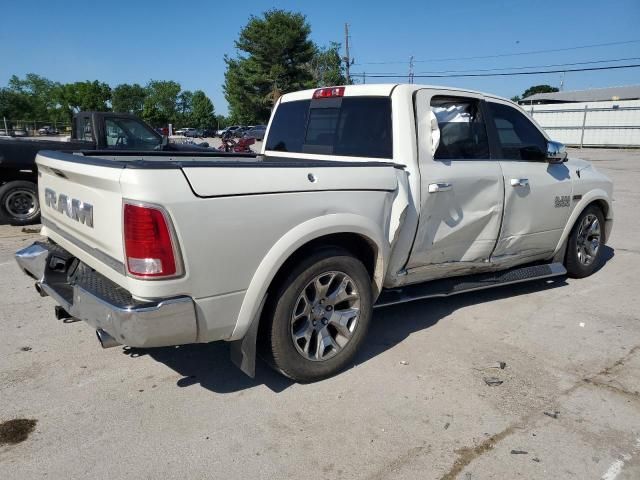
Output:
x=348 y=126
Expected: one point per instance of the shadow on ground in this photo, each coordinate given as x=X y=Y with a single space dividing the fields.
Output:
x=209 y=364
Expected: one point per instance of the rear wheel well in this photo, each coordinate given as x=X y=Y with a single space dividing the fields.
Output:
x=359 y=246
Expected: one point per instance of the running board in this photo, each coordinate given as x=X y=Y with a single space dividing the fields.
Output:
x=455 y=285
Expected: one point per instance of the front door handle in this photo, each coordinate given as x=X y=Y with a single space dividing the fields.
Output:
x=519 y=182
x=439 y=187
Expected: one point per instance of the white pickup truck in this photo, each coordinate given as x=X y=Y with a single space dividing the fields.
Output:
x=363 y=196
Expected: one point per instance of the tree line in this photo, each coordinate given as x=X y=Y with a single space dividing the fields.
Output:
x=275 y=55
x=36 y=98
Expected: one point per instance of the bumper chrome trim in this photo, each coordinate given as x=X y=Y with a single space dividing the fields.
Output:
x=163 y=322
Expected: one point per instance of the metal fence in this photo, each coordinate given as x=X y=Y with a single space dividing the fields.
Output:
x=593 y=124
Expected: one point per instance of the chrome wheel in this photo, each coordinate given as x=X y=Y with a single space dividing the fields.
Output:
x=588 y=240
x=21 y=203
x=325 y=316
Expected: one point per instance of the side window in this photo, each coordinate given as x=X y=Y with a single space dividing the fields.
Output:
x=127 y=133
x=463 y=133
x=518 y=137
x=288 y=126
x=85 y=131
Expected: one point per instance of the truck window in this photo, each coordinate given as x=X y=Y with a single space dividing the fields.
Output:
x=130 y=134
x=350 y=126
x=85 y=132
x=518 y=137
x=463 y=133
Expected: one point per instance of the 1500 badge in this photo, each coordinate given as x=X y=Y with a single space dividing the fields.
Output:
x=562 y=201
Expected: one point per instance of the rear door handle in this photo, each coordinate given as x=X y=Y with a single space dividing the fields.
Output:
x=439 y=187
x=519 y=182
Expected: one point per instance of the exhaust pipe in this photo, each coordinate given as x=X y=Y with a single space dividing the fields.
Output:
x=106 y=340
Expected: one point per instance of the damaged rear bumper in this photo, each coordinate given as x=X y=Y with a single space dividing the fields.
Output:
x=87 y=295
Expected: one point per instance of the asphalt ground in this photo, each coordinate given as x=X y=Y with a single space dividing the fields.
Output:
x=415 y=404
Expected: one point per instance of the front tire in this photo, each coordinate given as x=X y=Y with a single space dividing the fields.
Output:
x=319 y=317
x=584 y=247
x=19 y=202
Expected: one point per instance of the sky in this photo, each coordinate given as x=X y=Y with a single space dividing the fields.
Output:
x=139 y=40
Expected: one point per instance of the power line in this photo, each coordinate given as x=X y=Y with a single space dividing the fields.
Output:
x=398 y=75
x=518 y=68
x=499 y=55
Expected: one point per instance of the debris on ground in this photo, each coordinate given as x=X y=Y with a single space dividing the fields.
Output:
x=30 y=230
x=519 y=452
x=446 y=425
x=536 y=459
x=16 y=430
x=553 y=414
x=404 y=362
x=493 y=381
x=25 y=349
x=581 y=324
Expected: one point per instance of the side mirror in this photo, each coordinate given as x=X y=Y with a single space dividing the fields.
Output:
x=556 y=152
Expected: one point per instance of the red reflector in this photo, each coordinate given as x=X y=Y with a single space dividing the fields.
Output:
x=329 y=92
x=148 y=245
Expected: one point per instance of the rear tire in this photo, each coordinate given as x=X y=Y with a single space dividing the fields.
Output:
x=319 y=316
x=19 y=203
x=584 y=247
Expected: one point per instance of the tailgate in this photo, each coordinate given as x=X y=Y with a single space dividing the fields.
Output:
x=81 y=204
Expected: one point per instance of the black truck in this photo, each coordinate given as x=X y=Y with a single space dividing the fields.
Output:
x=90 y=131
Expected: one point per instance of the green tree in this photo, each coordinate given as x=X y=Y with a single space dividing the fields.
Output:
x=161 y=102
x=516 y=98
x=13 y=105
x=128 y=98
x=275 y=54
x=184 y=107
x=202 y=113
x=538 y=89
x=327 y=68
x=36 y=96
x=83 y=96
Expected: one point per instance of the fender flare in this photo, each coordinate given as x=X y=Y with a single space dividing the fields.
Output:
x=290 y=242
x=588 y=198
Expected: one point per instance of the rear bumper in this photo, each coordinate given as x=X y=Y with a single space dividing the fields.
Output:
x=89 y=296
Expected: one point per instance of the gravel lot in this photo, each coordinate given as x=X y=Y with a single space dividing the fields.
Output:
x=415 y=404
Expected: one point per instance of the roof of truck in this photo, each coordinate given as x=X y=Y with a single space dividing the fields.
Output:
x=380 y=89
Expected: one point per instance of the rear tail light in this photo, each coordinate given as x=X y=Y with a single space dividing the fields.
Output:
x=149 y=244
x=330 y=92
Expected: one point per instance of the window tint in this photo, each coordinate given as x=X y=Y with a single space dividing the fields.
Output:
x=349 y=126
x=518 y=136
x=463 y=134
x=288 y=127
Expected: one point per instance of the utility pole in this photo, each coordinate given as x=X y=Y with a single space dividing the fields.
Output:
x=347 y=57
x=411 y=69
x=562 y=81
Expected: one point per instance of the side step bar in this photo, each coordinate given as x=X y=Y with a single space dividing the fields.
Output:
x=455 y=285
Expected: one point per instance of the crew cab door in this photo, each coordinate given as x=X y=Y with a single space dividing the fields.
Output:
x=537 y=193
x=461 y=186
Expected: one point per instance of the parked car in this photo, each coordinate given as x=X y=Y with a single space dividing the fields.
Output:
x=20 y=132
x=191 y=132
x=47 y=130
x=256 y=132
x=240 y=131
x=207 y=133
x=226 y=130
x=19 y=202
x=456 y=191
